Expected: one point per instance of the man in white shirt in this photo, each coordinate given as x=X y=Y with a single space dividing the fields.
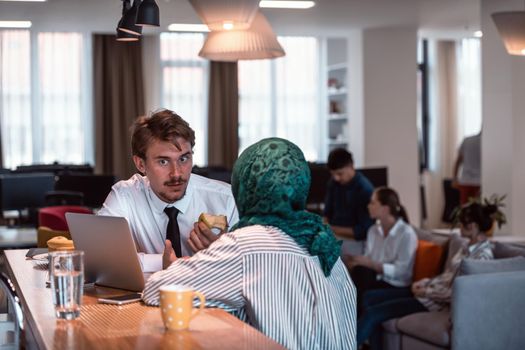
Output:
x=162 y=148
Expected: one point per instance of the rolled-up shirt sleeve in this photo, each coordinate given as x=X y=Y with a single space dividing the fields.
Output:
x=150 y=262
x=402 y=267
x=216 y=272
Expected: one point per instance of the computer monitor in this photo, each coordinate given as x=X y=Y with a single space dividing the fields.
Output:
x=214 y=172
x=320 y=174
x=55 y=168
x=94 y=187
x=378 y=176
x=24 y=192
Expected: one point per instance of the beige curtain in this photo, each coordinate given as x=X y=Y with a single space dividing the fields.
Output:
x=223 y=114
x=448 y=113
x=119 y=100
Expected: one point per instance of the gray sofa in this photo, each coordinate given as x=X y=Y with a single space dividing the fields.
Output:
x=487 y=309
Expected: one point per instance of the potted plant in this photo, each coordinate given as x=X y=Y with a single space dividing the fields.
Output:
x=497 y=202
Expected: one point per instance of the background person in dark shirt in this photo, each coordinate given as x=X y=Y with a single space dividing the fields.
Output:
x=347 y=197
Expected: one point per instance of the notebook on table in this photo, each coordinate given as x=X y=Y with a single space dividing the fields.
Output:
x=110 y=256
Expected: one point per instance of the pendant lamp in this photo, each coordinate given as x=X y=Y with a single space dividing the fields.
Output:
x=511 y=28
x=226 y=14
x=257 y=42
x=127 y=22
x=148 y=13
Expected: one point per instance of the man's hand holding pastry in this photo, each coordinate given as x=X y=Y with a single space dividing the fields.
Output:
x=202 y=235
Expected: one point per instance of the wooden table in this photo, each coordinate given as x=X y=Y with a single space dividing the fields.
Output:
x=102 y=326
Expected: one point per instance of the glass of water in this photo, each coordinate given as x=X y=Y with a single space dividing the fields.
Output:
x=67 y=282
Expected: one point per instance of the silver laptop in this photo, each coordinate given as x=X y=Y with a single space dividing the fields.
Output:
x=110 y=256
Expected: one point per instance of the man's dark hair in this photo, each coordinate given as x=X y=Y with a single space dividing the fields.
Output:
x=339 y=158
x=164 y=125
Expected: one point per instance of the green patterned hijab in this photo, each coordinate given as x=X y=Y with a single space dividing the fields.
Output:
x=270 y=183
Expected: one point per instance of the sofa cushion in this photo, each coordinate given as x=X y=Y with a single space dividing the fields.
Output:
x=433 y=327
x=505 y=250
x=472 y=266
x=410 y=343
x=429 y=257
x=429 y=236
x=391 y=326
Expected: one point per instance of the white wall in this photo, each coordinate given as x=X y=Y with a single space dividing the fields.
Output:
x=503 y=144
x=356 y=122
x=390 y=109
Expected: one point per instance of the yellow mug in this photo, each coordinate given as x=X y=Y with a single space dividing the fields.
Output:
x=176 y=305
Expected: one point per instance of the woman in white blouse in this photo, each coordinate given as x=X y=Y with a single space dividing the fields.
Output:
x=390 y=246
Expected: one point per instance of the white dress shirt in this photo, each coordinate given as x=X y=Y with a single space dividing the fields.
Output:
x=135 y=200
x=396 y=251
x=261 y=275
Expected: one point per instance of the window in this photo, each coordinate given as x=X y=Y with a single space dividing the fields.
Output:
x=185 y=84
x=423 y=117
x=280 y=97
x=469 y=87
x=43 y=112
x=15 y=101
x=60 y=98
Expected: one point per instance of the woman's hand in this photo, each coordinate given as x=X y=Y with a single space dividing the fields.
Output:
x=418 y=288
x=361 y=260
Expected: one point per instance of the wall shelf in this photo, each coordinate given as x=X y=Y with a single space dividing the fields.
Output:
x=336 y=94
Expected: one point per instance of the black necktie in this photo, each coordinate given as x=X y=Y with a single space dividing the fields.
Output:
x=172 y=231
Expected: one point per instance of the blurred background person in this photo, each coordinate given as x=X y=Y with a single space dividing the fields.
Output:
x=390 y=249
x=468 y=180
x=347 y=197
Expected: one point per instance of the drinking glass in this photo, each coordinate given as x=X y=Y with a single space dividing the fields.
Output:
x=67 y=282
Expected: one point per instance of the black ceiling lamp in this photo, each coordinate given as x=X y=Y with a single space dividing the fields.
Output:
x=127 y=22
x=148 y=13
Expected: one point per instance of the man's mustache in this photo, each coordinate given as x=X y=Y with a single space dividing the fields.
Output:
x=175 y=181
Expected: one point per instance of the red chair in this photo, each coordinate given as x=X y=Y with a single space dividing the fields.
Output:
x=54 y=217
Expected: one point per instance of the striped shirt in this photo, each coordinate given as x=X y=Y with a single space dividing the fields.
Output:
x=265 y=278
x=438 y=290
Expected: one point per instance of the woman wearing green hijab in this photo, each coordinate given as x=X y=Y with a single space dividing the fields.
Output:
x=279 y=267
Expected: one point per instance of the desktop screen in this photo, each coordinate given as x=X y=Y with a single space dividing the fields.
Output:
x=55 y=168
x=94 y=187
x=321 y=175
x=24 y=191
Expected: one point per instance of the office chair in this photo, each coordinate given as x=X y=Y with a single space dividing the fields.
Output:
x=53 y=198
x=55 y=217
x=44 y=234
